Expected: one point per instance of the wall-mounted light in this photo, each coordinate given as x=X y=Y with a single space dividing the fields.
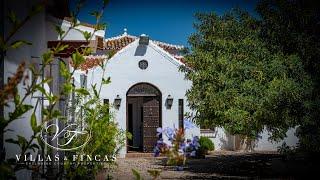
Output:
x=117 y=101
x=169 y=101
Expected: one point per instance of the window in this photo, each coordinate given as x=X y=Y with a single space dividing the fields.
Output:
x=180 y=113
x=106 y=102
x=143 y=64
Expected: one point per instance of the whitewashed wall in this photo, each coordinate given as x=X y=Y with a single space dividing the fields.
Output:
x=38 y=30
x=221 y=139
x=162 y=72
x=32 y=31
x=263 y=144
x=224 y=141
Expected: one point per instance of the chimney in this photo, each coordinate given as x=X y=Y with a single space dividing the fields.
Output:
x=144 y=39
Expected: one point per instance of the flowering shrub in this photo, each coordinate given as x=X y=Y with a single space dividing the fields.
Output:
x=177 y=149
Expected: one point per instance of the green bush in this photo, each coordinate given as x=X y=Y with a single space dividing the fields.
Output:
x=205 y=145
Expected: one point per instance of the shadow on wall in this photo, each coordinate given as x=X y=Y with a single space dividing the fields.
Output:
x=141 y=50
x=227 y=142
x=238 y=143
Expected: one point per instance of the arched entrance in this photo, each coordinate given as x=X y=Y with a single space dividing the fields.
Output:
x=143 y=116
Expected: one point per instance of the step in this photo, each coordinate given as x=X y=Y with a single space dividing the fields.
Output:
x=138 y=154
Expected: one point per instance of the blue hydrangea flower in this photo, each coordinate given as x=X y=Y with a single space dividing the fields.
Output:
x=188 y=124
x=169 y=133
x=159 y=131
x=195 y=142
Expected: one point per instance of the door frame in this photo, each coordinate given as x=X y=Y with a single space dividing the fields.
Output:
x=143 y=94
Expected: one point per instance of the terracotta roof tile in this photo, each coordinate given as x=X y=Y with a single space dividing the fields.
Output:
x=119 y=42
x=73 y=46
x=91 y=62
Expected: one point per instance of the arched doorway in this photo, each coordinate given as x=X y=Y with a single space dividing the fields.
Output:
x=143 y=116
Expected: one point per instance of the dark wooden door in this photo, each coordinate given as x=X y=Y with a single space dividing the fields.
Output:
x=151 y=121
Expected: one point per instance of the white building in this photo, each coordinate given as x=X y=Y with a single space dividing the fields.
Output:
x=145 y=78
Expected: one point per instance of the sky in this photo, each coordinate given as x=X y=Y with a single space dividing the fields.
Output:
x=169 y=21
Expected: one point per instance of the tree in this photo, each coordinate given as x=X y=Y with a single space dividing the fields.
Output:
x=238 y=83
x=294 y=28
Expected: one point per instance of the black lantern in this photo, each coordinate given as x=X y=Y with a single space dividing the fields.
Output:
x=169 y=101
x=117 y=101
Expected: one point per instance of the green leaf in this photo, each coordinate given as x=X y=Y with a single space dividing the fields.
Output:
x=86 y=35
x=64 y=70
x=94 y=88
x=74 y=21
x=12 y=17
x=77 y=59
x=22 y=142
x=33 y=123
x=16 y=99
x=59 y=31
x=136 y=174
x=95 y=14
x=106 y=81
x=56 y=113
x=67 y=88
x=87 y=51
x=101 y=26
x=41 y=89
x=154 y=173
x=19 y=111
x=17 y=44
x=40 y=142
x=47 y=57
x=82 y=91
x=60 y=47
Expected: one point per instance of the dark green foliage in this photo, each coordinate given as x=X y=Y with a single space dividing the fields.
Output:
x=239 y=83
x=294 y=28
x=206 y=144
